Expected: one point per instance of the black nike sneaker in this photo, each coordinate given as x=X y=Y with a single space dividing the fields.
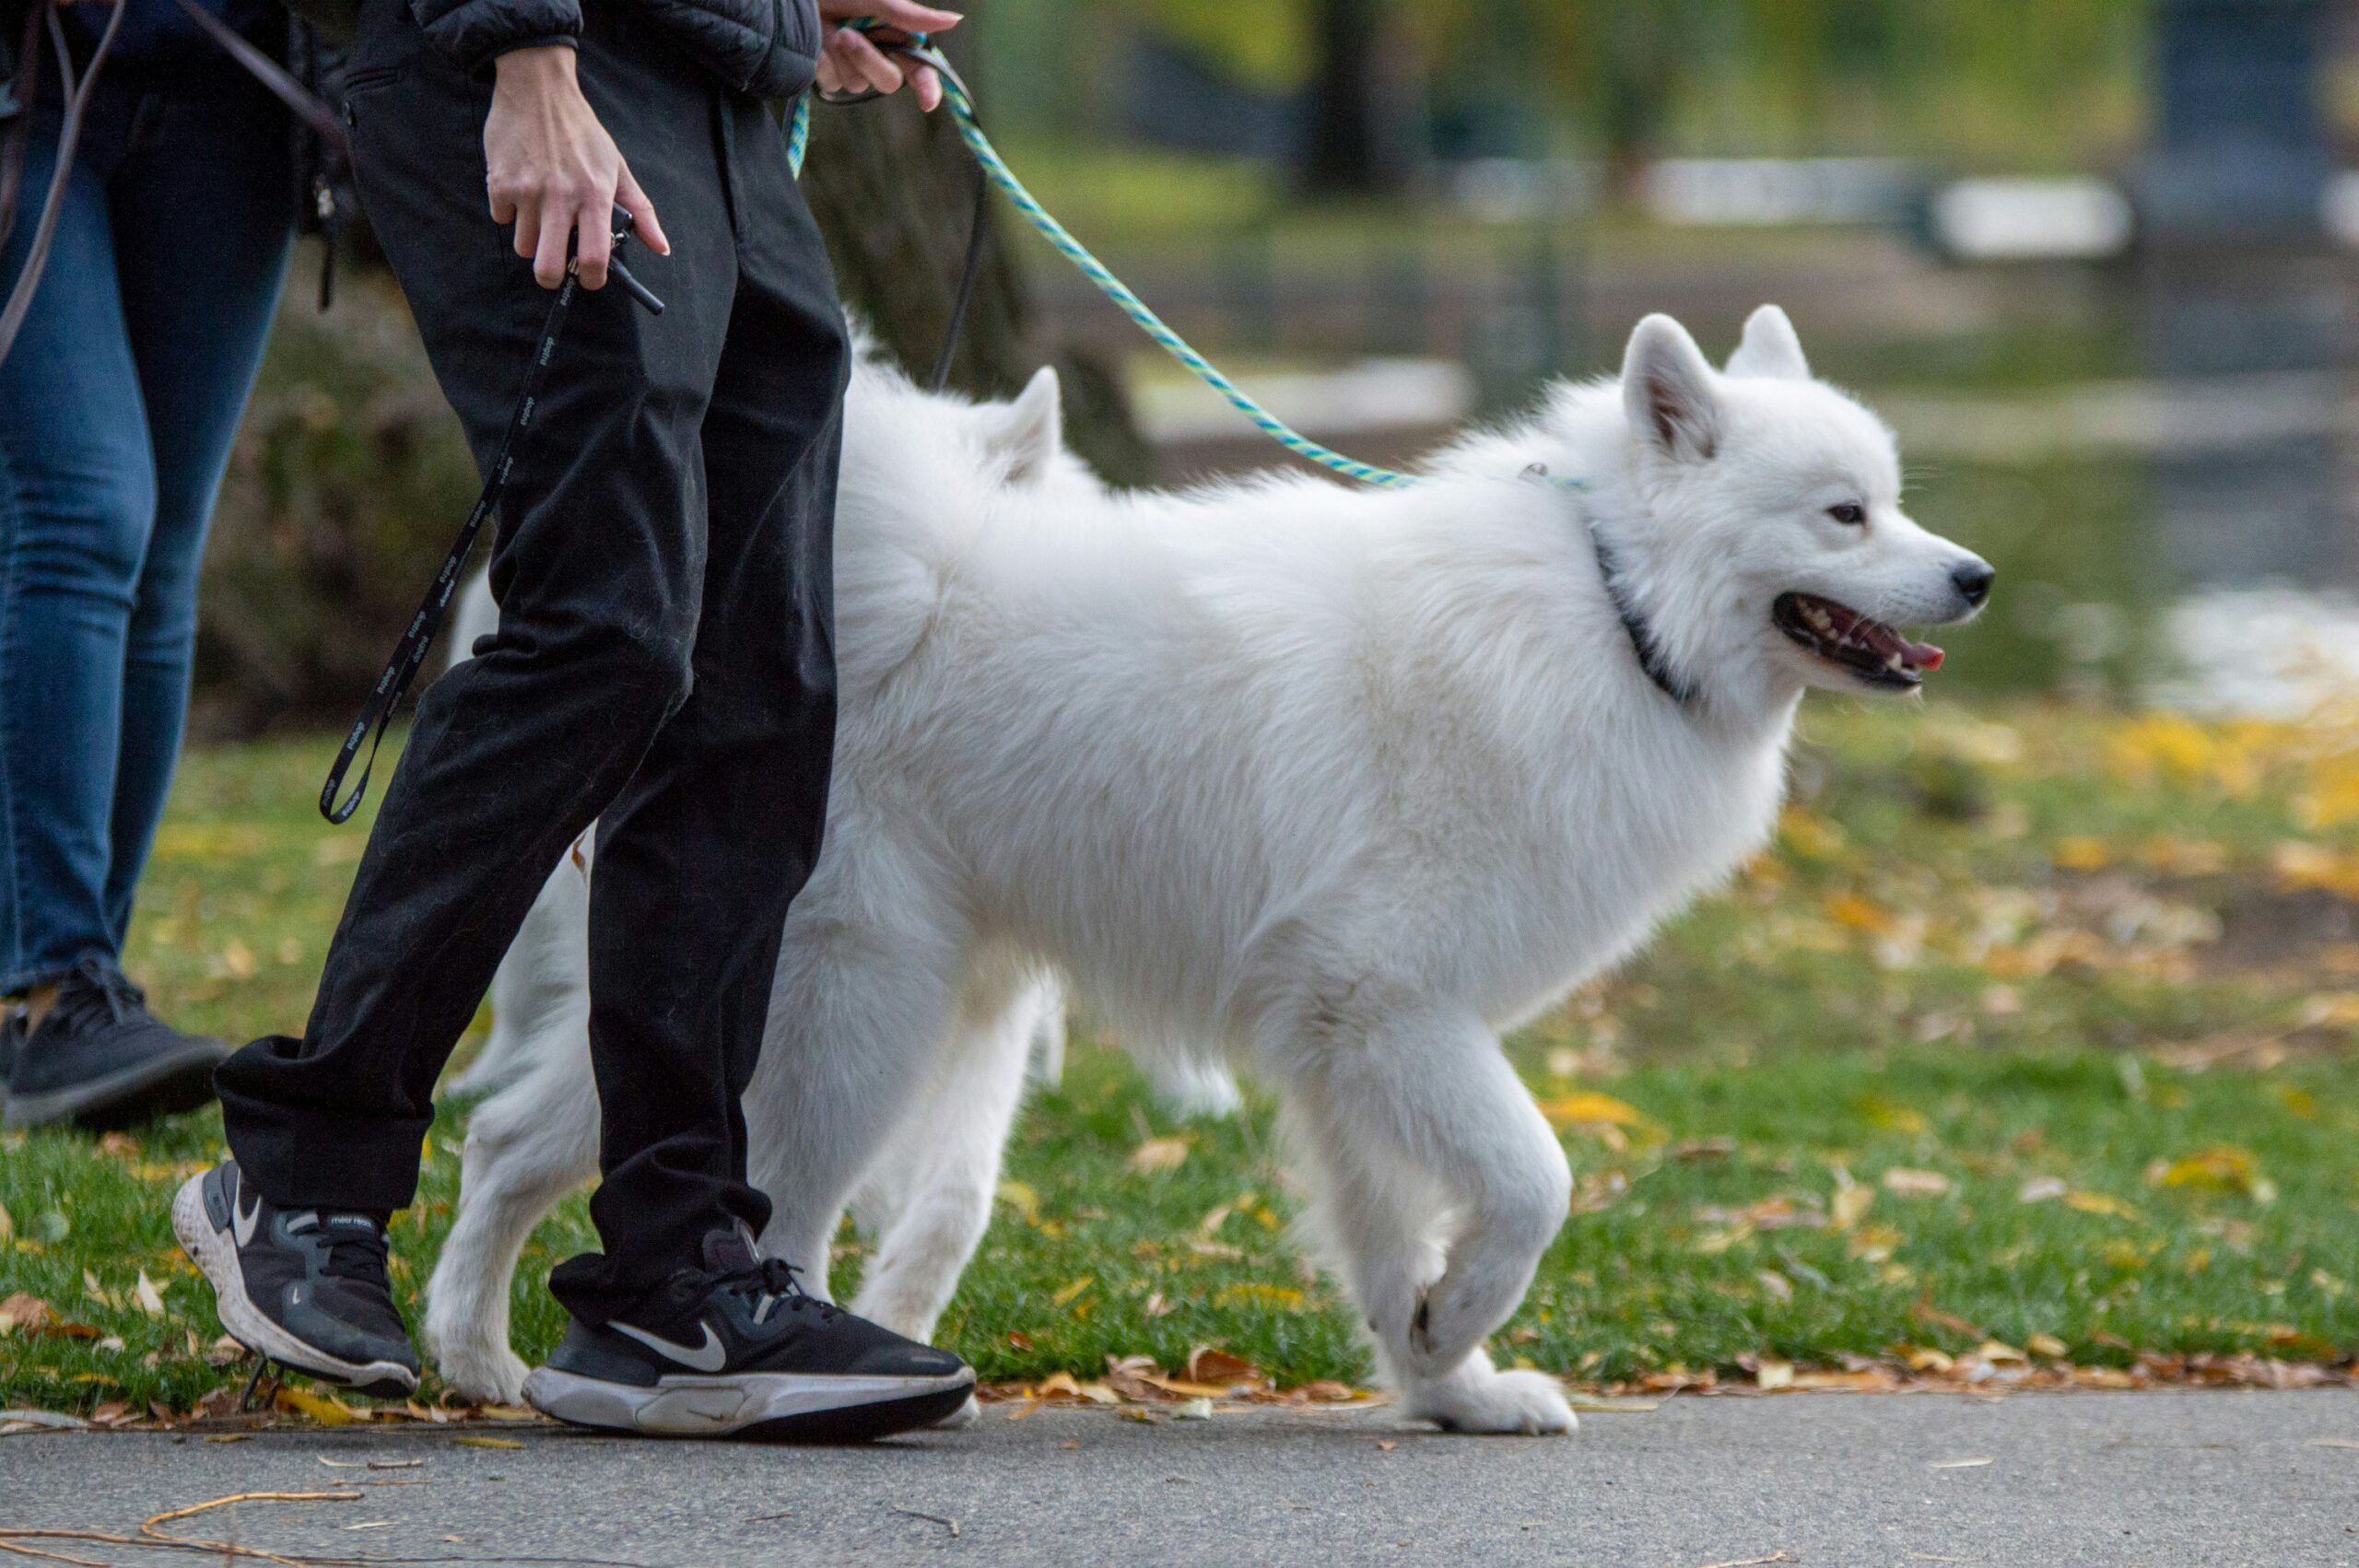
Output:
x=740 y=1351
x=98 y=1058
x=305 y=1287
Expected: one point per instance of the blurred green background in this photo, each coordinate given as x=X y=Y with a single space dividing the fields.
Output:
x=1390 y=219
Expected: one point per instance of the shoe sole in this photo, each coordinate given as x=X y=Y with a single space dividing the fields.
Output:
x=215 y=1252
x=180 y=1081
x=767 y=1407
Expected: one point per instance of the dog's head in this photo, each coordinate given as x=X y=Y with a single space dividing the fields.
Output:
x=1775 y=538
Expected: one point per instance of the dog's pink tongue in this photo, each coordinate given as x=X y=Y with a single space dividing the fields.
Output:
x=1887 y=643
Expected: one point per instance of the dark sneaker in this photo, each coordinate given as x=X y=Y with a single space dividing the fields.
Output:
x=304 y=1287
x=741 y=1352
x=100 y=1059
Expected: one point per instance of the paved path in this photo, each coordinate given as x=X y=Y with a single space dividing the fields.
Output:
x=2169 y=1481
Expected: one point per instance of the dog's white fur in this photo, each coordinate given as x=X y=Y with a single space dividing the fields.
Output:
x=1331 y=785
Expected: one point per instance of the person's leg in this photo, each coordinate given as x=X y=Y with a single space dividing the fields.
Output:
x=76 y=494
x=697 y=861
x=210 y=163
x=76 y=500
x=699 y=855
x=599 y=568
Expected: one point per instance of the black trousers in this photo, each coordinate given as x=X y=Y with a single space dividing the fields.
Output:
x=664 y=664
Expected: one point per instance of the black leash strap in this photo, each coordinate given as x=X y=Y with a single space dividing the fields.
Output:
x=409 y=656
x=970 y=270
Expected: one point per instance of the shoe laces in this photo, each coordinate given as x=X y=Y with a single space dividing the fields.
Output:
x=97 y=987
x=774 y=1281
x=357 y=1256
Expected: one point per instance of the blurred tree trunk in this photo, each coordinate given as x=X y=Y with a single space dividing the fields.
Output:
x=894 y=191
x=1354 y=147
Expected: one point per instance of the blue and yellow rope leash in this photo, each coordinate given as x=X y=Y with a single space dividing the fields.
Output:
x=961 y=104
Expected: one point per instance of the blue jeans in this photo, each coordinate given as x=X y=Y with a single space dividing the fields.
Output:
x=117 y=406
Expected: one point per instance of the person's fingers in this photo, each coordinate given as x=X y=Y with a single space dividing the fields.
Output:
x=831 y=75
x=503 y=208
x=632 y=200
x=528 y=226
x=926 y=82
x=595 y=224
x=866 y=62
x=871 y=64
x=913 y=17
x=548 y=255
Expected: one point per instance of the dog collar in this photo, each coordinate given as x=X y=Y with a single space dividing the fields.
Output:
x=1642 y=637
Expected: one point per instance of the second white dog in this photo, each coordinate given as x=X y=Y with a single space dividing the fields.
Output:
x=1330 y=785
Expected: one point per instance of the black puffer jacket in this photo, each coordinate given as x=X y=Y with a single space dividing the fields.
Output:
x=768 y=48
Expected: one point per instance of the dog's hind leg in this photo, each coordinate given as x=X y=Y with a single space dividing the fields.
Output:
x=866 y=991
x=1435 y=1096
x=927 y=1196
x=527 y=1146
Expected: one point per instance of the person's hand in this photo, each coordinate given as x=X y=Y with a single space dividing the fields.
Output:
x=849 y=63
x=554 y=172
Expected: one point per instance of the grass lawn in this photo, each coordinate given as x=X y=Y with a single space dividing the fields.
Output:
x=2036 y=1025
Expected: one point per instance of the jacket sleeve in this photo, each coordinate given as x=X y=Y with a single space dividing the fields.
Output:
x=476 y=32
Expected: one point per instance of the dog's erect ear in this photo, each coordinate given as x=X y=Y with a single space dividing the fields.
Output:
x=1032 y=428
x=1667 y=388
x=1770 y=348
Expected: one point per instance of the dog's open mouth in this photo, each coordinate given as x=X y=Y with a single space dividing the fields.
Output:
x=1867 y=648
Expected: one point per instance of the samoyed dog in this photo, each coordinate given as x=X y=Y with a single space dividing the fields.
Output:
x=1329 y=785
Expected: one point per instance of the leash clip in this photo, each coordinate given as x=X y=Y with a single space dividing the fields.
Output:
x=625 y=226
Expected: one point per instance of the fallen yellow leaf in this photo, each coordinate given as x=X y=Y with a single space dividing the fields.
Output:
x=1285 y=1298
x=1902 y=1182
x=1850 y=1204
x=1587 y=1105
x=2223 y=1168
x=1067 y=1293
x=327 y=1412
x=2101 y=1203
x=1890 y=1115
x=1774 y=1373
x=1160 y=1154
x=1020 y=1197
x=1859 y=914
x=471 y=1441
x=2080 y=854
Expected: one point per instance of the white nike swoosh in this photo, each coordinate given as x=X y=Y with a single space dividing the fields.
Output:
x=241 y=1221
x=708 y=1357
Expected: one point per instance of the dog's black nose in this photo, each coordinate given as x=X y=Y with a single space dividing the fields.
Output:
x=1974 y=580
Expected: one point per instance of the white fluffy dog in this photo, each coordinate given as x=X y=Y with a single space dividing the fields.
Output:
x=1331 y=785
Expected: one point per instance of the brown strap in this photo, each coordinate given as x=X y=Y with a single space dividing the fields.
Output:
x=297 y=98
x=69 y=137
x=21 y=88
x=306 y=103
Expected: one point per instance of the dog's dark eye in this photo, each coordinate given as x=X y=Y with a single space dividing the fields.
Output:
x=1851 y=512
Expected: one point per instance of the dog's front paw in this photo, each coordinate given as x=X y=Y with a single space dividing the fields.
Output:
x=964 y=1415
x=1476 y=1399
x=489 y=1375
